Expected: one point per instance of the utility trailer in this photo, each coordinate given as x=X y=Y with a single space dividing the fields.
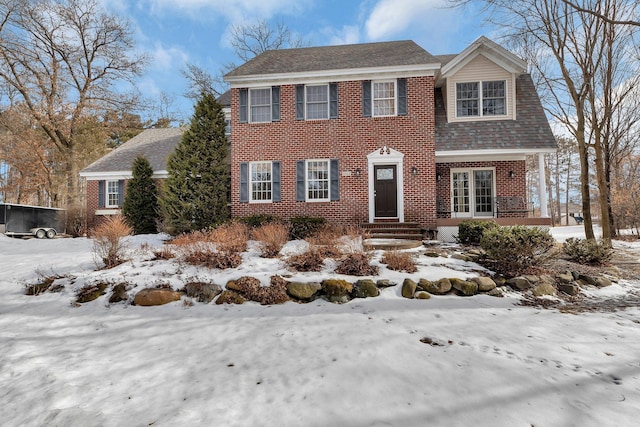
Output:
x=23 y=220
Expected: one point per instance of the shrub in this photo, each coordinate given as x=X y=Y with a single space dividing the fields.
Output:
x=311 y=260
x=230 y=237
x=251 y=289
x=586 y=251
x=255 y=221
x=399 y=261
x=470 y=231
x=107 y=241
x=512 y=250
x=163 y=253
x=357 y=264
x=140 y=206
x=271 y=237
x=304 y=226
x=217 y=248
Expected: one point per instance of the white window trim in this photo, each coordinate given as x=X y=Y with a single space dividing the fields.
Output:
x=480 y=98
x=306 y=180
x=251 y=200
x=250 y=111
x=472 y=208
x=328 y=101
x=106 y=194
x=395 y=100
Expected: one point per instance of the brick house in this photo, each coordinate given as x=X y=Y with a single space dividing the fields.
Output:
x=386 y=132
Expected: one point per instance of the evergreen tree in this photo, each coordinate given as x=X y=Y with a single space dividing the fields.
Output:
x=196 y=192
x=140 y=206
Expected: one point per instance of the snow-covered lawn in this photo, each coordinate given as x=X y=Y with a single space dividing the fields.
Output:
x=492 y=362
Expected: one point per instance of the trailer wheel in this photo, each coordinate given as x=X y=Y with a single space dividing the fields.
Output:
x=41 y=234
x=51 y=233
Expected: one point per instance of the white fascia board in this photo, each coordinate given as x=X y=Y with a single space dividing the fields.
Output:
x=491 y=51
x=97 y=176
x=324 y=76
x=488 y=155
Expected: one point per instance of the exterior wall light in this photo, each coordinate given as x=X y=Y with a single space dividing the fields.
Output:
x=438 y=176
x=512 y=174
x=358 y=171
x=414 y=170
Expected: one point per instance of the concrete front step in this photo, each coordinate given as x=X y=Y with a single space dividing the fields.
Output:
x=411 y=236
x=390 y=244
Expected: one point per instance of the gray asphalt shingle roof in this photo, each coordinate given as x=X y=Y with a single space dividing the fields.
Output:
x=367 y=55
x=530 y=130
x=154 y=144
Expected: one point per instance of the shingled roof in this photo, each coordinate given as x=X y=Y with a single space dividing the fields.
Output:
x=530 y=130
x=353 y=56
x=154 y=144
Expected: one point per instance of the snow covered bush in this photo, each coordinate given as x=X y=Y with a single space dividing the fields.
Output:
x=357 y=264
x=399 y=261
x=585 y=251
x=108 y=246
x=512 y=250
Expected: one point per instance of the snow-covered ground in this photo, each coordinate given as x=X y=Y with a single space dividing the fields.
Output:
x=319 y=364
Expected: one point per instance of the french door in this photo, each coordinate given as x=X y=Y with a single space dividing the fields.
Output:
x=472 y=192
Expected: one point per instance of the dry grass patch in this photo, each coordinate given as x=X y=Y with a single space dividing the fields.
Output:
x=271 y=237
x=217 y=248
x=399 y=261
x=107 y=241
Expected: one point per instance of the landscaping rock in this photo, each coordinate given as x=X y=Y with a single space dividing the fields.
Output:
x=485 y=284
x=569 y=288
x=230 y=297
x=432 y=254
x=365 y=288
x=496 y=292
x=422 y=295
x=520 y=283
x=532 y=279
x=588 y=280
x=203 y=292
x=565 y=277
x=461 y=257
x=303 y=291
x=602 y=282
x=119 y=293
x=408 y=288
x=152 y=296
x=91 y=292
x=544 y=289
x=337 y=290
x=464 y=287
x=500 y=281
x=233 y=285
x=385 y=283
x=440 y=287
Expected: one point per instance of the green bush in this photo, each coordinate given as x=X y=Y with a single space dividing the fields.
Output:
x=255 y=221
x=512 y=250
x=585 y=251
x=304 y=226
x=470 y=231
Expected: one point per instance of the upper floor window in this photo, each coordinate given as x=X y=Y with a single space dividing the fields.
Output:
x=490 y=101
x=384 y=98
x=317 y=102
x=112 y=194
x=260 y=105
x=261 y=183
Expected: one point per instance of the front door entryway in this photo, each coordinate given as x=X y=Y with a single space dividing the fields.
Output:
x=385 y=189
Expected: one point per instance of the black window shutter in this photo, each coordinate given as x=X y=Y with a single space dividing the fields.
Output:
x=366 y=98
x=275 y=181
x=334 y=176
x=333 y=101
x=402 y=97
x=121 y=192
x=275 y=103
x=101 y=196
x=244 y=182
x=244 y=98
x=299 y=102
x=300 y=181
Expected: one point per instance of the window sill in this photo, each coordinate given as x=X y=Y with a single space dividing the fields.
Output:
x=109 y=211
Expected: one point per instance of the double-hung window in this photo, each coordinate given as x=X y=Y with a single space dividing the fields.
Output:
x=317 y=102
x=384 y=98
x=260 y=181
x=480 y=99
x=112 y=194
x=317 y=180
x=260 y=105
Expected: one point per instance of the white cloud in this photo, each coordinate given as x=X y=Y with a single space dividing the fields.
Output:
x=348 y=34
x=390 y=17
x=171 y=58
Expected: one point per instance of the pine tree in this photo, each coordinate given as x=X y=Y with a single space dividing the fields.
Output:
x=140 y=206
x=196 y=192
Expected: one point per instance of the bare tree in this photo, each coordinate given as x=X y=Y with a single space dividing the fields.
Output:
x=248 y=41
x=604 y=17
x=65 y=60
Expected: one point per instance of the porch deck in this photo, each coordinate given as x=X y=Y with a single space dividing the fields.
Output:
x=448 y=227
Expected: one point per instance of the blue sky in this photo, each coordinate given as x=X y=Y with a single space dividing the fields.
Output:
x=176 y=32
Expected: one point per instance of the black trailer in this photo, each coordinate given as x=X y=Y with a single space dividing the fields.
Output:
x=23 y=220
